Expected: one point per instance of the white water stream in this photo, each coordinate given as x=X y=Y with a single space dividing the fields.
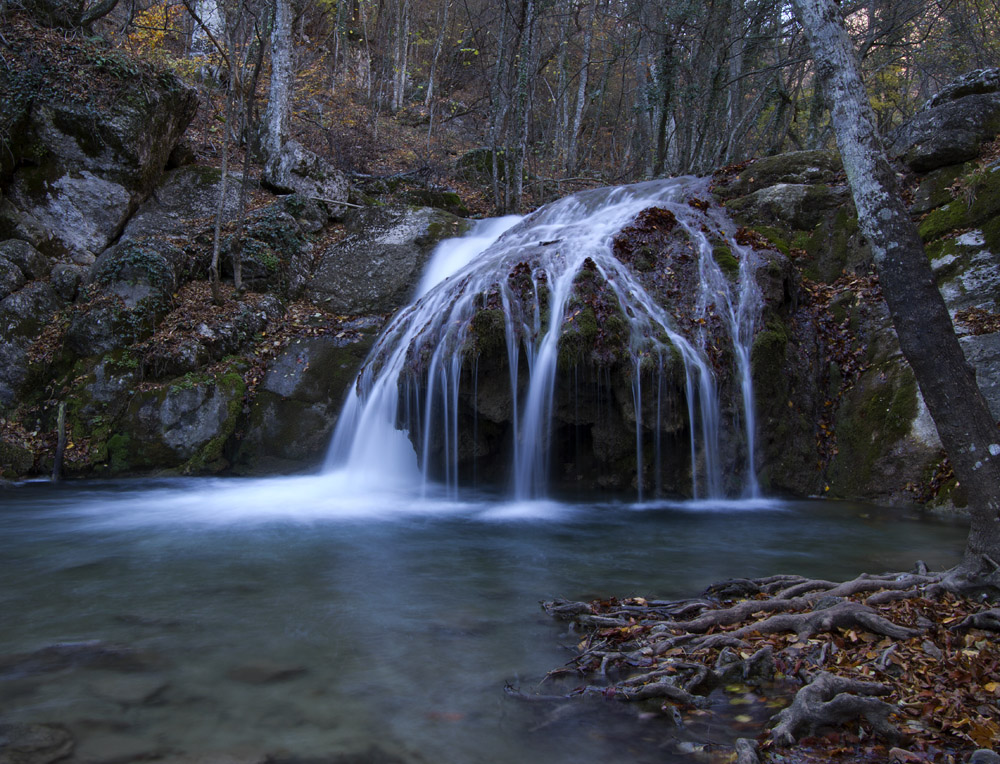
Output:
x=414 y=372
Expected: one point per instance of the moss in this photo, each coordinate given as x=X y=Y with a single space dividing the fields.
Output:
x=490 y=329
x=944 y=219
x=877 y=413
x=767 y=357
x=119 y=451
x=724 y=258
x=978 y=204
x=830 y=246
x=210 y=456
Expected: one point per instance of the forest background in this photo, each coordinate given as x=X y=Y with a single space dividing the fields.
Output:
x=540 y=97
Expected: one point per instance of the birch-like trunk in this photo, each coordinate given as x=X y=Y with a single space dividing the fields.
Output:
x=279 y=97
x=438 y=45
x=581 y=91
x=926 y=335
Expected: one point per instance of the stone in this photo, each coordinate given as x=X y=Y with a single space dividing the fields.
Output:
x=264 y=672
x=129 y=690
x=304 y=172
x=11 y=278
x=794 y=167
x=34 y=743
x=132 y=286
x=949 y=133
x=983 y=352
x=91 y=166
x=15 y=459
x=228 y=335
x=971 y=83
x=23 y=316
x=795 y=205
x=67 y=278
x=295 y=410
x=186 y=199
x=184 y=425
x=33 y=264
x=984 y=756
x=375 y=268
x=26 y=312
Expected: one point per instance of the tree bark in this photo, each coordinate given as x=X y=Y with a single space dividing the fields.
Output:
x=279 y=95
x=581 y=92
x=926 y=335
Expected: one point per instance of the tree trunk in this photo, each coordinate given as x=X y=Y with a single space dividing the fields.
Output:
x=581 y=93
x=279 y=96
x=926 y=334
x=438 y=45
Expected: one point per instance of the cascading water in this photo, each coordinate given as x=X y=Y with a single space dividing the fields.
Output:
x=523 y=299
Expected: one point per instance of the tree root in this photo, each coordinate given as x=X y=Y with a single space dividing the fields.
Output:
x=831 y=701
x=874 y=635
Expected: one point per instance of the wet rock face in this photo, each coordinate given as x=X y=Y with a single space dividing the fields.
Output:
x=295 y=410
x=374 y=269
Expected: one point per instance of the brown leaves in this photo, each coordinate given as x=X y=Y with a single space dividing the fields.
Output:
x=946 y=685
x=978 y=321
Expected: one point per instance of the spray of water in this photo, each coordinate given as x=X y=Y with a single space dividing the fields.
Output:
x=407 y=400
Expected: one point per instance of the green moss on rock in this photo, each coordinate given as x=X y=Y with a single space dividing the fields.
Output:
x=875 y=415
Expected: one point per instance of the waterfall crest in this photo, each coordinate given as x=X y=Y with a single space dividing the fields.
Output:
x=536 y=341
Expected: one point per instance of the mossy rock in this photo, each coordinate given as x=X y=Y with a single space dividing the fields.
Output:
x=183 y=426
x=16 y=461
x=874 y=416
x=792 y=167
x=978 y=204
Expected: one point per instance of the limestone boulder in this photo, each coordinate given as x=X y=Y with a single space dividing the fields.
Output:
x=295 y=410
x=80 y=170
x=184 y=425
x=953 y=125
x=376 y=267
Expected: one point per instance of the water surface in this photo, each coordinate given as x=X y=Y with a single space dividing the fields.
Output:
x=379 y=620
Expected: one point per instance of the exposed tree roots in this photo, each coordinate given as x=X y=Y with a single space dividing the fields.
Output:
x=882 y=659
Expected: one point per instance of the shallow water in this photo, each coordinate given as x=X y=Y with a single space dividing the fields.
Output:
x=402 y=619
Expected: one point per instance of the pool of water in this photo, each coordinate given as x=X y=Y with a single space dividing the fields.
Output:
x=286 y=618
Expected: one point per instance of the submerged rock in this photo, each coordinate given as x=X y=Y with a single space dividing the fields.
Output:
x=34 y=743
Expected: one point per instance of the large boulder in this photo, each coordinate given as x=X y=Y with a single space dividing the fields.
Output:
x=953 y=125
x=374 y=269
x=79 y=165
x=295 y=410
x=306 y=173
x=131 y=288
x=185 y=200
x=184 y=425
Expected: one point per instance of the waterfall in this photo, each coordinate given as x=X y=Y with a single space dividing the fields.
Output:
x=520 y=299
